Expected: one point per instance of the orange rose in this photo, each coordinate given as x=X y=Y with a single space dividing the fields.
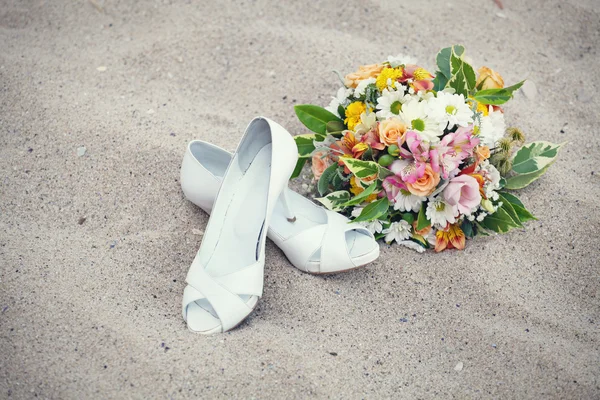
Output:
x=490 y=78
x=320 y=162
x=426 y=184
x=482 y=152
x=364 y=72
x=391 y=130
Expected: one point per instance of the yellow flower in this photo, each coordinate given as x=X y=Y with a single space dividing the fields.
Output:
x=489 y=79
x=353 y=113
x=421 y=74
x=357 y=189
x=389 y=73
x=482 y=108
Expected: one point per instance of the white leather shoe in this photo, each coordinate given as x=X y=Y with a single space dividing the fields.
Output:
x=225 y=280
x=314 y=239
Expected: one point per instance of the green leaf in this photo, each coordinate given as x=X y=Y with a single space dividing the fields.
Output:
x=362 y=196
x=523 y=214
x=326 y=178
x=497 y=96
x=374 y=210
x=499 y=222
x=443 y=59
x=315 y=118
x=481 y=231
x=408 y=217
x=335 y=127
x=371 y=93
x=422 y=221
x=439 y=82
x=514 y=200
x=342 y=111
x=334 y=200
x=467 y=227
x=463 y=76
x=305 y=144
x=508 y=207
x=361 y=169
x=299 y=165
x=384 y=173
x=534 y=156
x=522 y=180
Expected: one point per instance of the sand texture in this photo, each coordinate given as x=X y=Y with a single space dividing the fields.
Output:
x=98 y=100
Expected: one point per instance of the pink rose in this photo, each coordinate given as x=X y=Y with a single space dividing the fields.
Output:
x=320 y=162
x=463 y=192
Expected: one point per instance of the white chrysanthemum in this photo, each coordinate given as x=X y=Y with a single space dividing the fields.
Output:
x=375 y=226
x=492 y=128
x=401 y=59
x=390 y=102
x=367 y=122
x=397 y=231
x=492 y=178
x=414 y=114
x=340 y=99
x=362 y=86
x=412 y=245
x=406 y=201
x=440 y=213
x=450 y=110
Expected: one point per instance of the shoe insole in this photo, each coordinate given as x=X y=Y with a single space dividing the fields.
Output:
x=309 y=215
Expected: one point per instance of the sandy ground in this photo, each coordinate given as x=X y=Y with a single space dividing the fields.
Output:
x=91 y=309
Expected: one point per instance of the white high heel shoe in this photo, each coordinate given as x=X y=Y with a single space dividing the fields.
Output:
x=225 y=280
x=314 y=239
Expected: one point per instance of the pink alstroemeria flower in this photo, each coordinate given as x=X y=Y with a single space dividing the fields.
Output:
x=392 y=186
x=422 y=79
x=455 y=147
x=463 y=192
x=372 y=139
x=408 y=170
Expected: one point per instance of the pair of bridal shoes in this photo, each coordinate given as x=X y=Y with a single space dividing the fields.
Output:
x=247 y=196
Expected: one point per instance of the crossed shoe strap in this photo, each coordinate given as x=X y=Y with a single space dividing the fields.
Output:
x=330 y=238
x=223 y=292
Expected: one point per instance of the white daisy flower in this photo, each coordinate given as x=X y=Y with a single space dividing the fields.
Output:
x=340 y=99
x=406 y=201
x=492 y=128
x=414 y=114
x=412 y=245
x=450 y=110
x=397 y=231
x=390 y=102
x=375 y=226
x=362 y=86
x=440 y=213
x=401 y=59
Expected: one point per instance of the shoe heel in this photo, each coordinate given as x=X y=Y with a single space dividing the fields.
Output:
x=289 y=213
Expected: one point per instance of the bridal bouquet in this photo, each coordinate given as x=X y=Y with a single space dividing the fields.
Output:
x=419 y=159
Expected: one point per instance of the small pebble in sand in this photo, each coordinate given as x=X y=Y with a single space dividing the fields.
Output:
x=101 y=68
x=81 y=220
x=459 y=366
x=81 y=151
x=529 y=89
x=150 y=111
x=197 y=232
